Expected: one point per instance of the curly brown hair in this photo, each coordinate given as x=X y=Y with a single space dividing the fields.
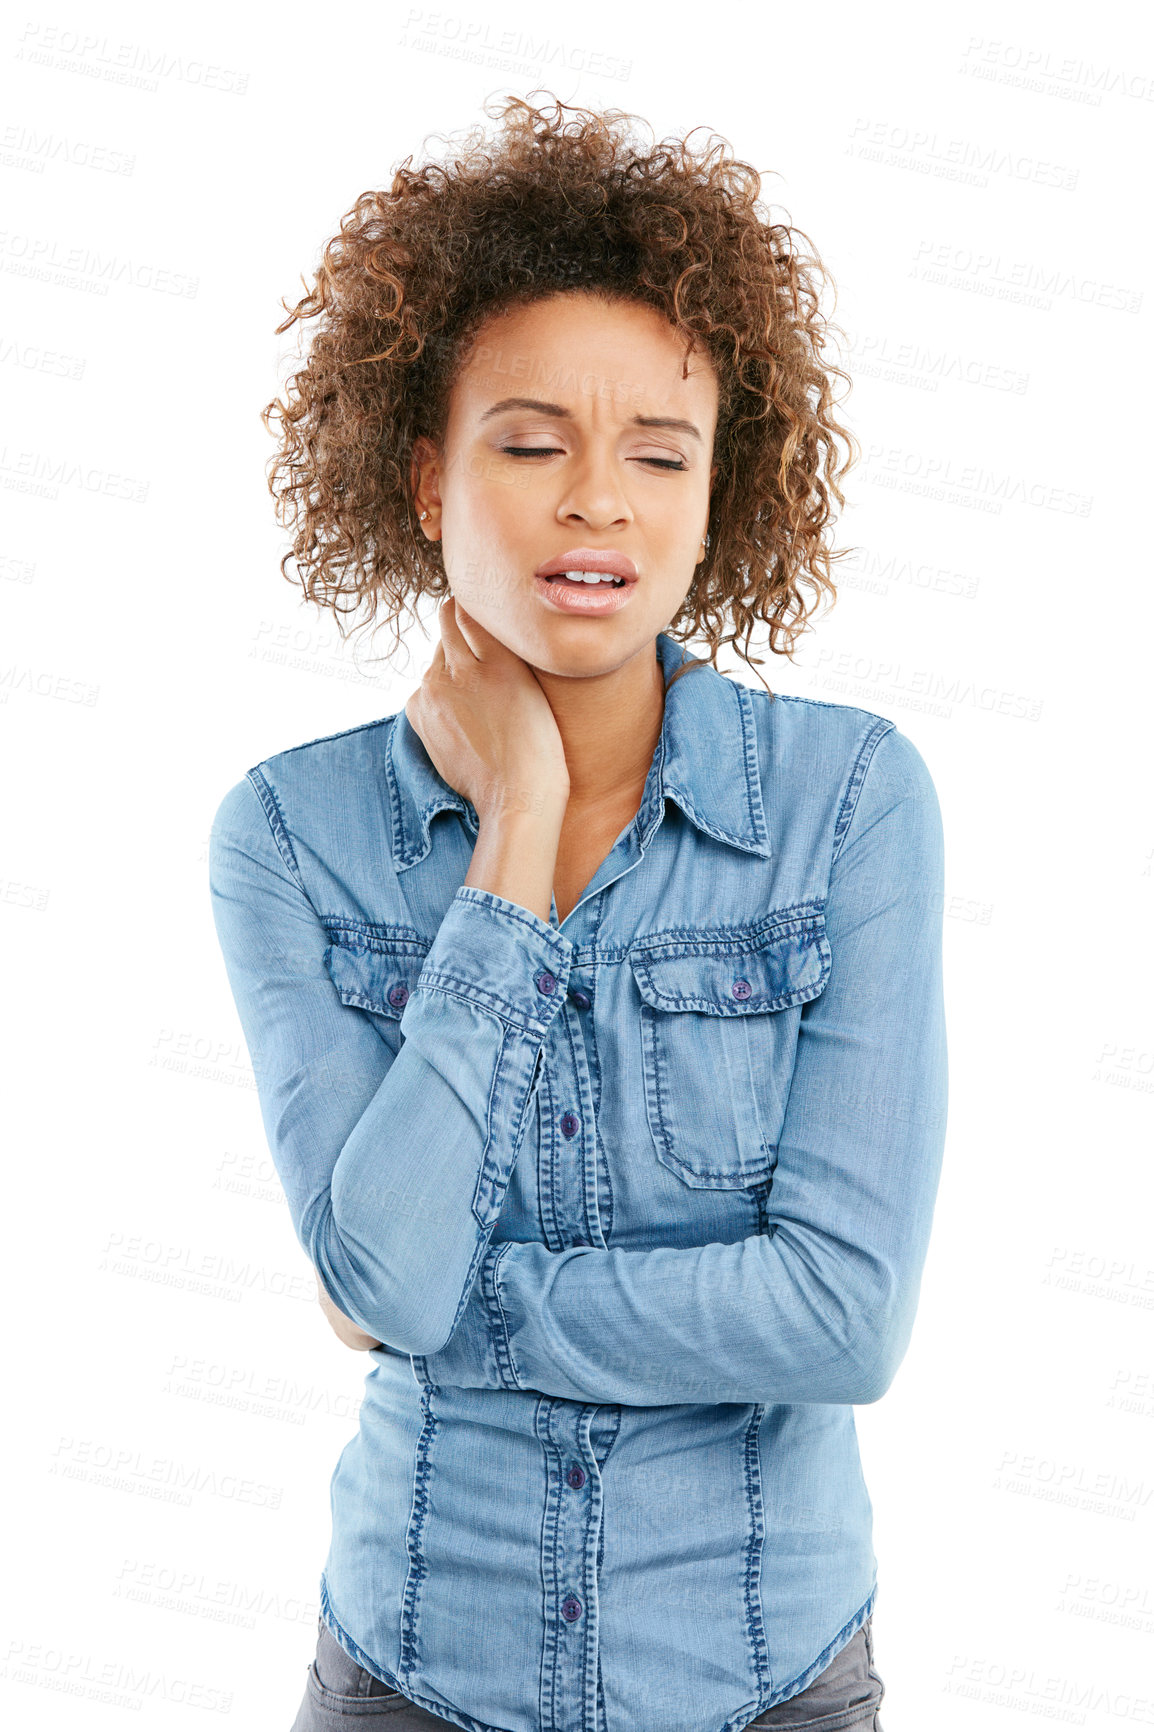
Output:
x=554 y=204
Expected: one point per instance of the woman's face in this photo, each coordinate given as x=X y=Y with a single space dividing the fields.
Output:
x=571 y=433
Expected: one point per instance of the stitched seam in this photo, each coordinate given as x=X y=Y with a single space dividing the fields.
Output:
x=652 y=812
x=358 y=1001
x=397 y=839
x=752 y=768
x=276 y=824
x=498 y=1321
x=824 y=704
x=751 y=1007
x=556 y=940
x=418 y=1566
x=487 y=1175
x=715 y=830
x=594 y=955
x=446 y=802
x=653 y=1068
x=751 y=1462
x=603 y=1179
x=476 y=996
x=857 y=777
x=740 y=1177
x=380 y=937
x=828 y=1653
x=644 y=966
x=785 y=922
x=341 y=1635
x=479 y=1252
x=797 y=995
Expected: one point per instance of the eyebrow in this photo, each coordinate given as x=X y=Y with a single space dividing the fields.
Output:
x=559 y=410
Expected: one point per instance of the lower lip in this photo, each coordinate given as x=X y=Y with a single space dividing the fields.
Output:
x=586 y=598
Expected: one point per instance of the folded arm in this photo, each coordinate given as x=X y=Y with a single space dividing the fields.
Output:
x=343 y=1327
x=820 y=1308
x=395 y=1167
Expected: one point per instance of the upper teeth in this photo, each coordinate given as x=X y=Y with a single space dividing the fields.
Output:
x=591 y=577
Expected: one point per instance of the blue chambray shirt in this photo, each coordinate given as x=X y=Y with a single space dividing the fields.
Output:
x=637 y=1202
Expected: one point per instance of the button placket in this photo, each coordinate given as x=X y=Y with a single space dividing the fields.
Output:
x=566 y=1132
x=570 y=1121
x=572 y=1535
x=571 y=1557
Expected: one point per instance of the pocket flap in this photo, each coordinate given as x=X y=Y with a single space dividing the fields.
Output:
x=373 y=973
x=771 y=968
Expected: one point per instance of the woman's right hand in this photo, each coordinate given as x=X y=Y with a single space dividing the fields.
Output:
x=485 y=722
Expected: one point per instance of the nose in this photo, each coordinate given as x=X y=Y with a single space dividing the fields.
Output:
x=593 y=493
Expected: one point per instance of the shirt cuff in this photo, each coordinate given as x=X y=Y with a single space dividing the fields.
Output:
x=488 y=1283
x=477 y=1354
x=501 y=957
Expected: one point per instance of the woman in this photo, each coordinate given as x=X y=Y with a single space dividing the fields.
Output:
x=594 y=998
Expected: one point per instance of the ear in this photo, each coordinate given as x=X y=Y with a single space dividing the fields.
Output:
x=425 y=474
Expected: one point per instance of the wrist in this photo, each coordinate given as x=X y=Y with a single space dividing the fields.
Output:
x=500 y=802
x=516 y=855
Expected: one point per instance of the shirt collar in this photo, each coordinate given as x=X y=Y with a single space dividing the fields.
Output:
x=706 y=760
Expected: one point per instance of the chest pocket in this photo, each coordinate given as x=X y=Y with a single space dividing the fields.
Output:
x=719 y=1024
x=375 y=971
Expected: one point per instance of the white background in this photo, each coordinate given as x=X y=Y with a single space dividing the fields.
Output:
x=976 y=179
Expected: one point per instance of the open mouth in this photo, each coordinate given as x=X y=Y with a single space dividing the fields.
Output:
x=594 y=579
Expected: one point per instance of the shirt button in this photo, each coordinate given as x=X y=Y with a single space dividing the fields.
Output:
x=570 y=1124
x=580 y=999
x=576 y=1477
x=741 y=989
x=571 y=1608
x=546 y=982
x=398 y=996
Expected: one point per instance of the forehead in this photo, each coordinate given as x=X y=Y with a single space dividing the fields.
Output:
x=584 y=346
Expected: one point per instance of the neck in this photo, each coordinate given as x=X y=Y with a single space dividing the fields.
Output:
x=609 y=725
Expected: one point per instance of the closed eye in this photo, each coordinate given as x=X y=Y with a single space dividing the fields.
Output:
x=552 y=451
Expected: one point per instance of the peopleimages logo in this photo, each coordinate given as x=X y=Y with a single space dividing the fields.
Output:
x=132 y=64
x=1028 y=67
x=1024 y=282
x=968 y=482
x=46 y=259
x=920 y=149
x=30 y=148
x=899 y=681
x=1029 y=1690
x=115 y=1683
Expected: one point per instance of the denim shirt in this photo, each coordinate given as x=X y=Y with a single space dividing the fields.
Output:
x=637 y=1202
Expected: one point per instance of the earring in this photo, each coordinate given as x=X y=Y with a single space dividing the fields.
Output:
x=424 y=514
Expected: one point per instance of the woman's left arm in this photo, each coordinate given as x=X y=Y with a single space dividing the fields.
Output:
x=820 y=1308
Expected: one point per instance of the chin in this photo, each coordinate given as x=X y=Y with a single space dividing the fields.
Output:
x=571 y=650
